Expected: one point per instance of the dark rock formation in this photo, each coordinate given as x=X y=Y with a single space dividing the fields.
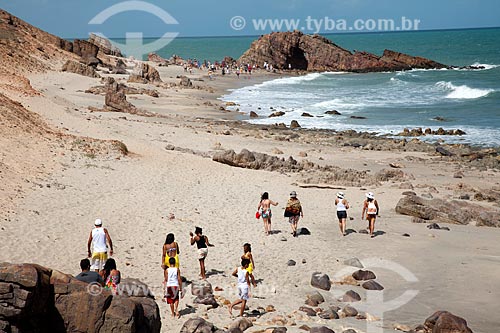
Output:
x=363 y=275
x=321 y=281
x=372 y=285
x=454 y=212
x=351 y=296
x=440 y=131
x=308 y=311
x=333 y=112
x=144 y=73
x=80 y=69
x=253 y=114
x=317 y=53
x=315 y=299
x=37 y=299
x=277 y=114
x=445 y=322
x=104 y=45
x=294 y=124
x=349 y=311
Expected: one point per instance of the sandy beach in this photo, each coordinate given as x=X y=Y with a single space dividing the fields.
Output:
x=169 y=172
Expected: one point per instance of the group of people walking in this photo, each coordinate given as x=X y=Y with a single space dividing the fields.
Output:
x=102 y=270
x=293 y=211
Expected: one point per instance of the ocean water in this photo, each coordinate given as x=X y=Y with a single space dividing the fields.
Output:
x=466 y=99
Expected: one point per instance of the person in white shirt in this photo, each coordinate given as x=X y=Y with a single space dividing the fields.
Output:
x=243 y=286
x=173 y=287
x=98 y=238
x=370 y=206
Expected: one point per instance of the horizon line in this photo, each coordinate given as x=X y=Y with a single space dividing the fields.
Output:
x=321 y=33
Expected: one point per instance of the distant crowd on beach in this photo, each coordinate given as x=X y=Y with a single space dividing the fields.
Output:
x=226 y=67
x=101 y=269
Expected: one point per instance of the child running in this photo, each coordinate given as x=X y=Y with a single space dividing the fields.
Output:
x=173 y=287
x=247 y=254
x=202 y=244
x=243 y=286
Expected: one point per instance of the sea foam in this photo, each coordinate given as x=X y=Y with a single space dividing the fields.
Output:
x=462 y=92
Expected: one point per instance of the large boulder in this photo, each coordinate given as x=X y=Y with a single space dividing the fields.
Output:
x=317 y=53
x=144 y=73
x=321 y=281
x=37 y=299
x=79 y=68
x=445 y=322
x=153 y=57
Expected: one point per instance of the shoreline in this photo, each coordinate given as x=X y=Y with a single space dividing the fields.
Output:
x=169 y=170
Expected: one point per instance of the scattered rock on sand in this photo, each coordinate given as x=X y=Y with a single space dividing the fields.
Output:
x=351 y=296
x=349 y=311
x=201 y=287
x=443 y=151
x=310 y=312
x=291 y=263
x=350 y=330
x=363 y=231
x=444 y=321
x=80 y=69
x=321 y=329
x=321 y=281
x=354 y=262
x=187 y=83
x=208 y=299
x=294 y=124
x=372 y=285
x=328 y=314
x=362 y=275
x=197 y=325
x=316 y=298
x=303 y=231
x=241 y=323
x=270 y=308
x=302 y=154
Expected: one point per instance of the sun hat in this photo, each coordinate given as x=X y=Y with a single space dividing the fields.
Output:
x=293 y=194
x=98 y=222
x=370 y=195
x=340 y=195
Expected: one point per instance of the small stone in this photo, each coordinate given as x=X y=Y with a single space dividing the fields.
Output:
x=351 y=296
x=363 y=231
x=294 y=124
x=434 y=226
x=321 y=281
x=321 y=329
x=270 y=308
x=283 y=239
x=310 y=312
x=364 y=275
x=304 y=261
x=354 y=262
x=328 y=314
x=349 y=311
x=317 y=298
x=372 y=285
x=291 y=262
x=406 y=235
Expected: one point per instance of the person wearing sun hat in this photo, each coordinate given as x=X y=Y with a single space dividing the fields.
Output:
x=342 y=207
x=98 y=237
x=294 y=212
x=370 y=206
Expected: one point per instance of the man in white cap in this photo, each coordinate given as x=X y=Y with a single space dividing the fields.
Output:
x=98 y=237
x=370 y=206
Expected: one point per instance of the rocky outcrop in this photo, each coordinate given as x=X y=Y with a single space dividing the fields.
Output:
x=80 y=69
x=144 y=73
x=454 y=211
x=85 y=49
x=104 y=45
x=317 y=53
x=115 y=99
x=153 y=57
x=421 y=132
x=38 y=299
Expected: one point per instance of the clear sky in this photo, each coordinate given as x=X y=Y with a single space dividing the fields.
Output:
x=70 y=18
